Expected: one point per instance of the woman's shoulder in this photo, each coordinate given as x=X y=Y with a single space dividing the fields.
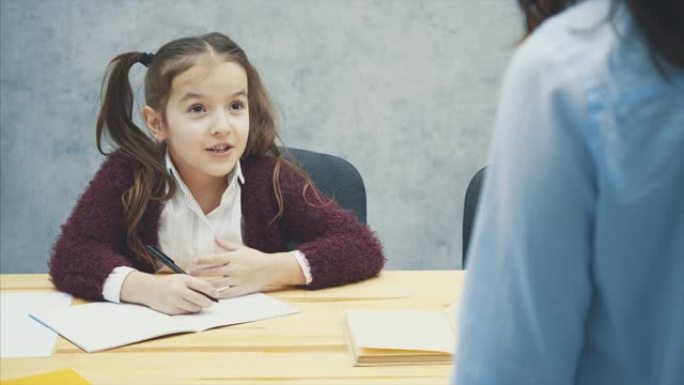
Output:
x=565 y=56
x=581 y=37
x=594 y=42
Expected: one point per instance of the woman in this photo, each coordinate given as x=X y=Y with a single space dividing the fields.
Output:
x=576 y=268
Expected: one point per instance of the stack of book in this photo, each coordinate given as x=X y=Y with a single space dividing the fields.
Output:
x=400 y=337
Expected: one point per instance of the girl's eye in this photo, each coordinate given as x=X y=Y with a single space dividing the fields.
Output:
x=237 y=106
x=197 y=108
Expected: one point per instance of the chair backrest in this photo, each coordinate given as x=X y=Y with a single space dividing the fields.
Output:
x=335 y=177
x=472 y=198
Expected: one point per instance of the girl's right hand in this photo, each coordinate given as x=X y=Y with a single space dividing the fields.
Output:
x=170 y=294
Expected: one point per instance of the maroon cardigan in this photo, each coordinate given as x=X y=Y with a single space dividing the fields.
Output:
x=338 y=247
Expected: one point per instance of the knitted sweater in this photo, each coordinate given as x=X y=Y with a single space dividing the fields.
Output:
x=92 y=243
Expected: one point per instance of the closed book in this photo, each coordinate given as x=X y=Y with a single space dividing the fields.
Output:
x=399 y=337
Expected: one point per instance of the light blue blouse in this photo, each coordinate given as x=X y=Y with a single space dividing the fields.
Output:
x=576 y=266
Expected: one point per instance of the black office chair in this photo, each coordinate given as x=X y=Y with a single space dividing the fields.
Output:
x=335 y=177
x=472 y=198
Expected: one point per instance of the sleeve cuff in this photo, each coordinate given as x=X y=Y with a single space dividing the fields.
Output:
x=303 y=264
x=111 y=291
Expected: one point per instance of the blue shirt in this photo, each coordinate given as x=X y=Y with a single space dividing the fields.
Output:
x=576 y=266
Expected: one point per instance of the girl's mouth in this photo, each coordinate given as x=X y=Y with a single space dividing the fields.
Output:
x=219 y=149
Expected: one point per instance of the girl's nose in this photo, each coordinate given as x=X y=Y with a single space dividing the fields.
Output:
x=221 y=124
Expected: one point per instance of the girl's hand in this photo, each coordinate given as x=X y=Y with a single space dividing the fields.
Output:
x=170 y=294
x=245 y=270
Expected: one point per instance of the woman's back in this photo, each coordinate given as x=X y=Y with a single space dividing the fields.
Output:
x=577 y=262
x=635 y=326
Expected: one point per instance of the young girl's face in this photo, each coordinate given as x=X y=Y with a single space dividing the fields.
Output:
x=207 y=119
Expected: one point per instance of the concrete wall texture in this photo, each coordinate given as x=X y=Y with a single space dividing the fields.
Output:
x=405 y=90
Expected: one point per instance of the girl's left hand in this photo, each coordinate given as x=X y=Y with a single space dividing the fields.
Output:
x=245 y=270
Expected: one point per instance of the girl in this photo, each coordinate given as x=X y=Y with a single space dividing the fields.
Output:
x=212 y=191
x=577 y=262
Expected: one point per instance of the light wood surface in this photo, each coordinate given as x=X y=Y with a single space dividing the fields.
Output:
x=305 y=348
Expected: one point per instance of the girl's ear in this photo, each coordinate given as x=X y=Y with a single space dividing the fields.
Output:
x=154 y=123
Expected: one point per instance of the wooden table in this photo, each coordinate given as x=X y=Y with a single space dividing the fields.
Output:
x=304 y=348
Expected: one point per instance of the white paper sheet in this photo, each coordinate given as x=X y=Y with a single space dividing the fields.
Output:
x=20 y=335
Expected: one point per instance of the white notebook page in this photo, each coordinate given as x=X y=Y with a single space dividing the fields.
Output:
x=104 y=325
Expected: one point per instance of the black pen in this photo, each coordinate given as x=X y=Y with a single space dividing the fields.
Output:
x=166 y=260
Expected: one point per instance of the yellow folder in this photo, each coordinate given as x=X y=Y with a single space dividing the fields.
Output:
x=59 y=377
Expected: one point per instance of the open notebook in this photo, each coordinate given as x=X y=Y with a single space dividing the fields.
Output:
x=104 y=325
x=400 y=337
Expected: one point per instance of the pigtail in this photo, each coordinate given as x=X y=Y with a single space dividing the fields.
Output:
x=115 y=123
x=116 y=114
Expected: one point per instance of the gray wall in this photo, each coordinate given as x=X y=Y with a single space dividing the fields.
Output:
x=405 y=90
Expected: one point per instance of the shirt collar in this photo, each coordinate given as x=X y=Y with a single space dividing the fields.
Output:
x=233 y=177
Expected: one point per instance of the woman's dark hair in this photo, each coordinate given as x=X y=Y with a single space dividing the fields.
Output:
x=115 y=121
x=662 y=22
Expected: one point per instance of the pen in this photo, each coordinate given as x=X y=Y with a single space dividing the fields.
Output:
x=166 y=260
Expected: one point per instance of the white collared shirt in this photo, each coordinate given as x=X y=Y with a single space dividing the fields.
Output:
x=186 y=232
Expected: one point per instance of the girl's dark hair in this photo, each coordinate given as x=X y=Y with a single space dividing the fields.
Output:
x=660 y=21
x=115 y=121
